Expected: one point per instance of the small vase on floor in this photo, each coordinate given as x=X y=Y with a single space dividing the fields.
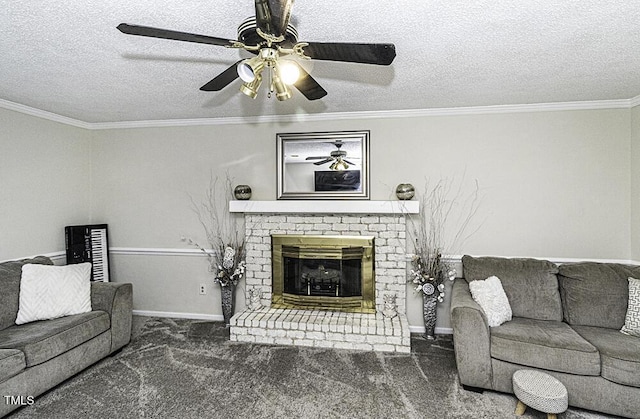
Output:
x=429 y=307
x=228 y=295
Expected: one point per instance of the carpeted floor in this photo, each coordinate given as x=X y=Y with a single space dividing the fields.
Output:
x=188 y=369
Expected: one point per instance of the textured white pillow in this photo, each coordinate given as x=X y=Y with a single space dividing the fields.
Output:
x=49 y=292
x=632 y=320
x=492 y=299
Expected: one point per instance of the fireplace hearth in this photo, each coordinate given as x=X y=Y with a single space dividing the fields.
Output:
x=323 y=272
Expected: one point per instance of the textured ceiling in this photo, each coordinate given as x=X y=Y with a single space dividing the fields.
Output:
x=67 y=57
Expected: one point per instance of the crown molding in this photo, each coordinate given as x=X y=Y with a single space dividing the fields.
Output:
x=27 y=110
x=335 y=116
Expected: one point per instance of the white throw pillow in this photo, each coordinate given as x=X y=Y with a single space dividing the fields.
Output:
x=492 y=299
x=632 y=320
x=49 y=292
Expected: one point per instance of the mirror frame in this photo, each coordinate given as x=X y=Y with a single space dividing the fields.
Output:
x=283 y=138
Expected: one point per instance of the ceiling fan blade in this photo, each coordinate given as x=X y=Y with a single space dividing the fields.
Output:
x=272 y=16
x=318 y=157
x=348 y=162
x=308 y=86
x=318 y=163
x=381 y=54
x=222 y=80
x=174 y=35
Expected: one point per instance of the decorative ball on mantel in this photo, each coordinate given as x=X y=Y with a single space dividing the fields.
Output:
x=405 y=191
x=242 y=192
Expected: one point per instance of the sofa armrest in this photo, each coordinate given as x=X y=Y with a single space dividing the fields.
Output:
x=117 y=300
x=471 y=338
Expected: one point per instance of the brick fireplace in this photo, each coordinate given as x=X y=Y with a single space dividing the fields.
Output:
x=384 y=221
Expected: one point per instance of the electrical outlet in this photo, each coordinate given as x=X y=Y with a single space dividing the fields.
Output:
x=203 y=289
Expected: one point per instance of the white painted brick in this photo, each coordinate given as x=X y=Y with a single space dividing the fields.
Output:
x=393 y=340
x=256 y=331
x=389 y=234
x=323 y=344
x=295 y=334
x=283 y=341
x=330 y=219
x=377 y=227
x=246 y=338
x=370 y=220
x=344 y=345
x=336 y=337
x=265 y=339
x=363 y=346
x=354 y=338
x=315 y=335
x=383 y=347
x=339 y=227
x=375 y=339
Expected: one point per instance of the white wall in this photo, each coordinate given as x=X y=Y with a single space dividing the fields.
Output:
x=44 y=183
x=555 y=184
x=635 y=184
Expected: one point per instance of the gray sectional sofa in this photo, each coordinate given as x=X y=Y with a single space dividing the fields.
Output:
x=566 y=322
x=37 y=356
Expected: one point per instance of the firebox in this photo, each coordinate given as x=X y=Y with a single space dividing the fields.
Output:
x=323 y=272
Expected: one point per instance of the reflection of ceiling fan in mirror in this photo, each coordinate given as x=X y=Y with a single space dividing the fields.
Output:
x=336 y=156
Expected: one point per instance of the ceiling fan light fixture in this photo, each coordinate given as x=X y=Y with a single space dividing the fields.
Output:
x=339 y=165
x=283 y=92
x=251 y=89
x=250 y=68
x=289 y=72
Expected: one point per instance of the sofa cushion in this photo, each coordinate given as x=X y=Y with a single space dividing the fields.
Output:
x=11 y=363
x=550 y=345
x=490 y=295
x=596 y=294
x=42 y=340
x=620 y=353
x=632 y=319
x=10 y=274
x=49 y=292
x=531 y=285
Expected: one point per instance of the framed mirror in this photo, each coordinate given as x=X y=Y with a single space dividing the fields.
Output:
x=323 y=165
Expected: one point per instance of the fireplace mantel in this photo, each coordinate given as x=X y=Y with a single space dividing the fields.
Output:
x=325 y=207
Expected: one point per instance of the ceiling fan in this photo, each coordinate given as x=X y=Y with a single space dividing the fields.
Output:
x=274 y=41
x=336 y=156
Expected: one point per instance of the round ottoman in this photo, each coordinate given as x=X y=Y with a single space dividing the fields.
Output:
x=539 y=391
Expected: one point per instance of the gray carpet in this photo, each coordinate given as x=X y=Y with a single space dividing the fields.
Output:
x=188 y=369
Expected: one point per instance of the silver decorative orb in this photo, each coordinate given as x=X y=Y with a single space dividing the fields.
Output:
x=405 y=191
x=242 y=192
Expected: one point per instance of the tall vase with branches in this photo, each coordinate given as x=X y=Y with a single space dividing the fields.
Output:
x=443 y=207
x=226 y=251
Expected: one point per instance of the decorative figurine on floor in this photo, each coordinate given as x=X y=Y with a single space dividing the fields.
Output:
x=390 y=306
x=255 y=299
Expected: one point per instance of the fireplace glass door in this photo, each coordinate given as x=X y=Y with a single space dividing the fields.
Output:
x=323 y=272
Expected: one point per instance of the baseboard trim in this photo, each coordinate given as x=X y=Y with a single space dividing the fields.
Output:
x=179 y=315
x=439 y=330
